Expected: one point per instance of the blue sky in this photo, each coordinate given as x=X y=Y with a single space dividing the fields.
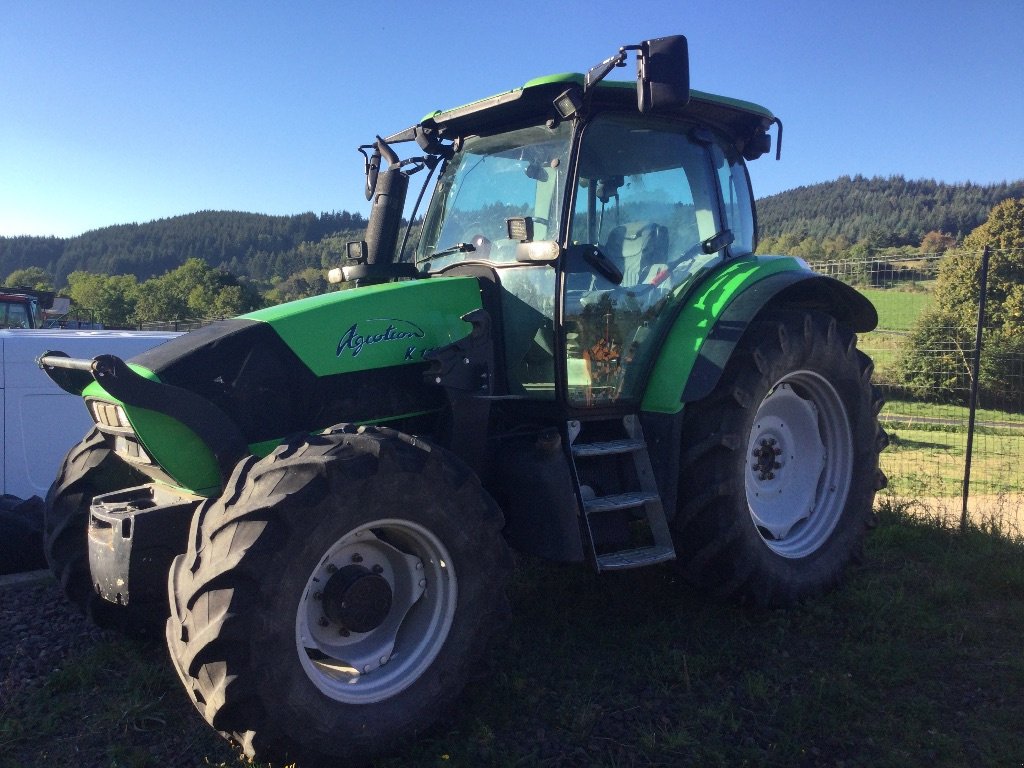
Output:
x=118 y=112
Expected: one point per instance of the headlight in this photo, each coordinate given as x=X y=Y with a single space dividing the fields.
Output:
x=109 y=415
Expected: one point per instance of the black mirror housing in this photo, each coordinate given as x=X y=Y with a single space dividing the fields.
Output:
x=663 y=74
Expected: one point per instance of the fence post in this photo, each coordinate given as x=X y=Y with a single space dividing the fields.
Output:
x=976 y=373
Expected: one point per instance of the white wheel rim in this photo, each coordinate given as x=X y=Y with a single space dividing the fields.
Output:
x=799 y=461
x=364 y=667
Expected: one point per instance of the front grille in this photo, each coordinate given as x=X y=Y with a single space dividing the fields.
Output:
x=130 y=449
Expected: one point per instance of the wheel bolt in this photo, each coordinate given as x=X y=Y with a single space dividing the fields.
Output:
x=331 y=568
x=318 y=595
x=423 y=582
x=323 y=622
x=344 y=632
x=357 y=558
x=757 y=452
x=378 y=569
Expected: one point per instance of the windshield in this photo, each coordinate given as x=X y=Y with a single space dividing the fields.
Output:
x=490 y=180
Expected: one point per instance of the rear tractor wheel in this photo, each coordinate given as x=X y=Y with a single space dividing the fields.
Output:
x=780 y=464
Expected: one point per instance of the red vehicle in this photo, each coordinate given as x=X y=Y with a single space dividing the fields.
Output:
x=24 y=307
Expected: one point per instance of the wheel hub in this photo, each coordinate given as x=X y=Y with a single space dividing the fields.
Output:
x=357 y=598
x=376 y=610
x=766 y=455
x=788 y=459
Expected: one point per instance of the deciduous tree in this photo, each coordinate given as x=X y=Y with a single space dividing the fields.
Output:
x=937 y=358
x=36 y=278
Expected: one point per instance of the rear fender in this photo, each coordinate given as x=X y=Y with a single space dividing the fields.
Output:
x=703 y=337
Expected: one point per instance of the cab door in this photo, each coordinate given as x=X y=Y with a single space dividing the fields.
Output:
x=647 y=198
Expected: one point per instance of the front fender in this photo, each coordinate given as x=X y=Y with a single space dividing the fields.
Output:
x=188 y=439
x=706 y=332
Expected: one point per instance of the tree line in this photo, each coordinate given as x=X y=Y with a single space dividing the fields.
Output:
x=830 y=220
x=252 y=246
x=935 y=363
x=219 y=263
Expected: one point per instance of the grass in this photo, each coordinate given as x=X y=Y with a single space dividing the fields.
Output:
x=115 y=703
x=915 y=661
x=898 y=309
x=928 y=446
x=956 y=414
x=931 y=462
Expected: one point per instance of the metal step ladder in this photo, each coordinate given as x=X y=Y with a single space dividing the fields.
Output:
x=619 y=452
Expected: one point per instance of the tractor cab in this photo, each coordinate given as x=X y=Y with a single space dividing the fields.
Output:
x=589 y=217
x=599 y=245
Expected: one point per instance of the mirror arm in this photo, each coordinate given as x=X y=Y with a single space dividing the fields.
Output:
x=596 y=74
x=371 y=168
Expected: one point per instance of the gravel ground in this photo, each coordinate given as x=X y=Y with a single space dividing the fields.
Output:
x=38 y=629
x=40 y=633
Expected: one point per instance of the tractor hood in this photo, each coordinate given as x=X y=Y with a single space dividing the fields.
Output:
x=193 y=406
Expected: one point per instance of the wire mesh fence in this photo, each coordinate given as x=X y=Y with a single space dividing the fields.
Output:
x=939 y=460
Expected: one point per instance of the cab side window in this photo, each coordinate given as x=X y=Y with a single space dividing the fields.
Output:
x=737 y=202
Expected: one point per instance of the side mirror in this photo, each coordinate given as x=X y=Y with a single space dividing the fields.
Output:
x=663 y=74
x=371 y=169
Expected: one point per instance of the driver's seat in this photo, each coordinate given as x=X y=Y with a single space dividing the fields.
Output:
x=640 y=249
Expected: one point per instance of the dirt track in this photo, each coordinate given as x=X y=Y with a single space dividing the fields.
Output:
x=1004 y=511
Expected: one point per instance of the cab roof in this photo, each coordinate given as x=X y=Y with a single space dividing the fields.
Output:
x=739 y=119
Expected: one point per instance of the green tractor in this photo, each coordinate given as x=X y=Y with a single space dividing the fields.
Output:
x=578 y=357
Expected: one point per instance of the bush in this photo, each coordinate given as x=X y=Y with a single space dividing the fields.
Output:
x=936 y=363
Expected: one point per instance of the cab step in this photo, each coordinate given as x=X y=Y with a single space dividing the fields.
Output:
x=624 y=527
x=635 y=558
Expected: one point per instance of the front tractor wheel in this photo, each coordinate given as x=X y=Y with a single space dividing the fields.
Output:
x=90 y=469
x=780 y=464
x=336 y=598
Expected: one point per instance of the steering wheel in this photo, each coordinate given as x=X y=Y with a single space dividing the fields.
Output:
x=671 y=267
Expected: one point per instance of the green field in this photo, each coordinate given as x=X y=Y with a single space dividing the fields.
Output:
x=931 y=463
x=898 y=310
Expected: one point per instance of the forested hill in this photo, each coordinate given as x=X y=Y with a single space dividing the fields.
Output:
x=246 y=244
x=879 y=212
x=882 y=212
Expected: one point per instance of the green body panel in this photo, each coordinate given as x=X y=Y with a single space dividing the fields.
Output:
x=362 y=329
x=694 y=324
x=179 y=451
x=376 y=326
